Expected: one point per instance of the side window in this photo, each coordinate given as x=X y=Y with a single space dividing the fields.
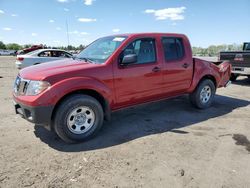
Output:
x=173 y=48
x=66 y=55
x=62 y=54
x=143 y=48
x=55 y=54
x=45 y=54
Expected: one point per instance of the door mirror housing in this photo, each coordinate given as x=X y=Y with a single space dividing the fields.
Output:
x=129 y=59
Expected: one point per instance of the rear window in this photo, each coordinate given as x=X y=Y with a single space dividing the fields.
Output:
x=173 y=48
x=247 y=46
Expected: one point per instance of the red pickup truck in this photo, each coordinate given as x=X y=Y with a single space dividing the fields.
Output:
x=73 y=97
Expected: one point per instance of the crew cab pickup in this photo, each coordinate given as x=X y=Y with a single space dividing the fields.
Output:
x=72 y=97
x=240 y=61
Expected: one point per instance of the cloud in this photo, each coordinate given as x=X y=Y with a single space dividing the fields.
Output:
x=167 y=13
x=7 y=29
x=86 y=20
x=63 y=1
x=84 y=33
x=34 y=34
x=51 y=21
x=115 y=30
x=66 y=9
x=58 y=28
x=14 y=15
x=1 y=12
x=88 y=2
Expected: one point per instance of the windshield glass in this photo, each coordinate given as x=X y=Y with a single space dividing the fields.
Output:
x=100 y=50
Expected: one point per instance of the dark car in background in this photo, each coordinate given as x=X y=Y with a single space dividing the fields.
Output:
x=32 y=48
x=240 y=61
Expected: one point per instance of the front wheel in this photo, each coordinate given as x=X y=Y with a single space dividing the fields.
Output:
x=203 y=95
x=78 y=118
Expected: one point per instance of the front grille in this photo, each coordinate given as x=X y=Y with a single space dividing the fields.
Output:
x=20 y=86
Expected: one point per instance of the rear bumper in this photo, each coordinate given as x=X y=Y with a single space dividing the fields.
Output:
x=18 y=65
x=241 y=70
x=40 y=115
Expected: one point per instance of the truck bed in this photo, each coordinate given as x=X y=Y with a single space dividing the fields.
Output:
x=213 y=60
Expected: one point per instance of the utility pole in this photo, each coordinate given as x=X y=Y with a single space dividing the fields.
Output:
x=67 y=27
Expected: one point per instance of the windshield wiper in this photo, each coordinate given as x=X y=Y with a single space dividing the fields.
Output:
x=86 y=59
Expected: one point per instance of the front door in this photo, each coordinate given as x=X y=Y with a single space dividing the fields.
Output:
x=142 y=80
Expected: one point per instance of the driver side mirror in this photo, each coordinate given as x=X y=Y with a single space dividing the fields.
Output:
x=129 y=59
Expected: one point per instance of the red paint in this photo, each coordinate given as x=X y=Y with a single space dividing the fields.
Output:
x=123 y=87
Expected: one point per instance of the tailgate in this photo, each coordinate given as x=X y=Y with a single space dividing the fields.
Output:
x=237 y=59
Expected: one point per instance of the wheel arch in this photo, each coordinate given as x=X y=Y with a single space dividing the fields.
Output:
x=90 y=92
x=209 y=77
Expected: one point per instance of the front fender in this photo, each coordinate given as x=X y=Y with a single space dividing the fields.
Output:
x=64 y=87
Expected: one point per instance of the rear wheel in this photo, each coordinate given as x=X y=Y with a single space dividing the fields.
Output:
x=203 y=95
x=78 y=118
x=233 y=77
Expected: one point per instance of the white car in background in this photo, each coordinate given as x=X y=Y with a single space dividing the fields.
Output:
x=41 y=56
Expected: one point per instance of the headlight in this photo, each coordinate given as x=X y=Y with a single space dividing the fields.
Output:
x=36 y=87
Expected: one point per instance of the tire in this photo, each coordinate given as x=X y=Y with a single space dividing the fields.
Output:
x=201 y=92
x=233 y=77
x=78 y=118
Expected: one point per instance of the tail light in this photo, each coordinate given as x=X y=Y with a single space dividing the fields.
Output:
x=20 y=58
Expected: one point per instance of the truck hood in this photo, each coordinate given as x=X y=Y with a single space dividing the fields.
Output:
x=55 y=68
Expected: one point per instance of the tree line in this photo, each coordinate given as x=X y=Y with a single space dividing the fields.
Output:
x=212 y=50
x=15 y=46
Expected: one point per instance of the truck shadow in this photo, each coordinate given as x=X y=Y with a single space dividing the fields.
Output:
x=242 y=82
x=144 y=120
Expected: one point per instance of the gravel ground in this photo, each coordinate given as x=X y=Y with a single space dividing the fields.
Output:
x=163 y=144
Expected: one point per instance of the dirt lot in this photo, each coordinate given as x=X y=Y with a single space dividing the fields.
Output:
x=164 y=144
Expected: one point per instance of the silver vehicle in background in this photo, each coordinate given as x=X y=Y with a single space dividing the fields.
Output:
x=41 y=56
x=7 y=52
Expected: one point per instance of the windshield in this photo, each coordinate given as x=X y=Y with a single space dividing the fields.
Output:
x=100 y=50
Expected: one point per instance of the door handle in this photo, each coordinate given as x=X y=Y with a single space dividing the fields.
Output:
x=156 y=69
x=185 y=65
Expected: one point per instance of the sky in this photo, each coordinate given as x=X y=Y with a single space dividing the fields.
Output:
x=205 y=22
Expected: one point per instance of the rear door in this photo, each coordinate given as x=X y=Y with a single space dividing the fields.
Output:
x=141 y=81
x=178 y=64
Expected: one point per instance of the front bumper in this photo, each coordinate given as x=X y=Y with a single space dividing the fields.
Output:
x=40 y=115
x=241 y=70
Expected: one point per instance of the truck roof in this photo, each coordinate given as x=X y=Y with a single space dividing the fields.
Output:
x=146 y=34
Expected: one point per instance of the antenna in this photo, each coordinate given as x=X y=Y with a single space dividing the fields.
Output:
x=67 y=27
